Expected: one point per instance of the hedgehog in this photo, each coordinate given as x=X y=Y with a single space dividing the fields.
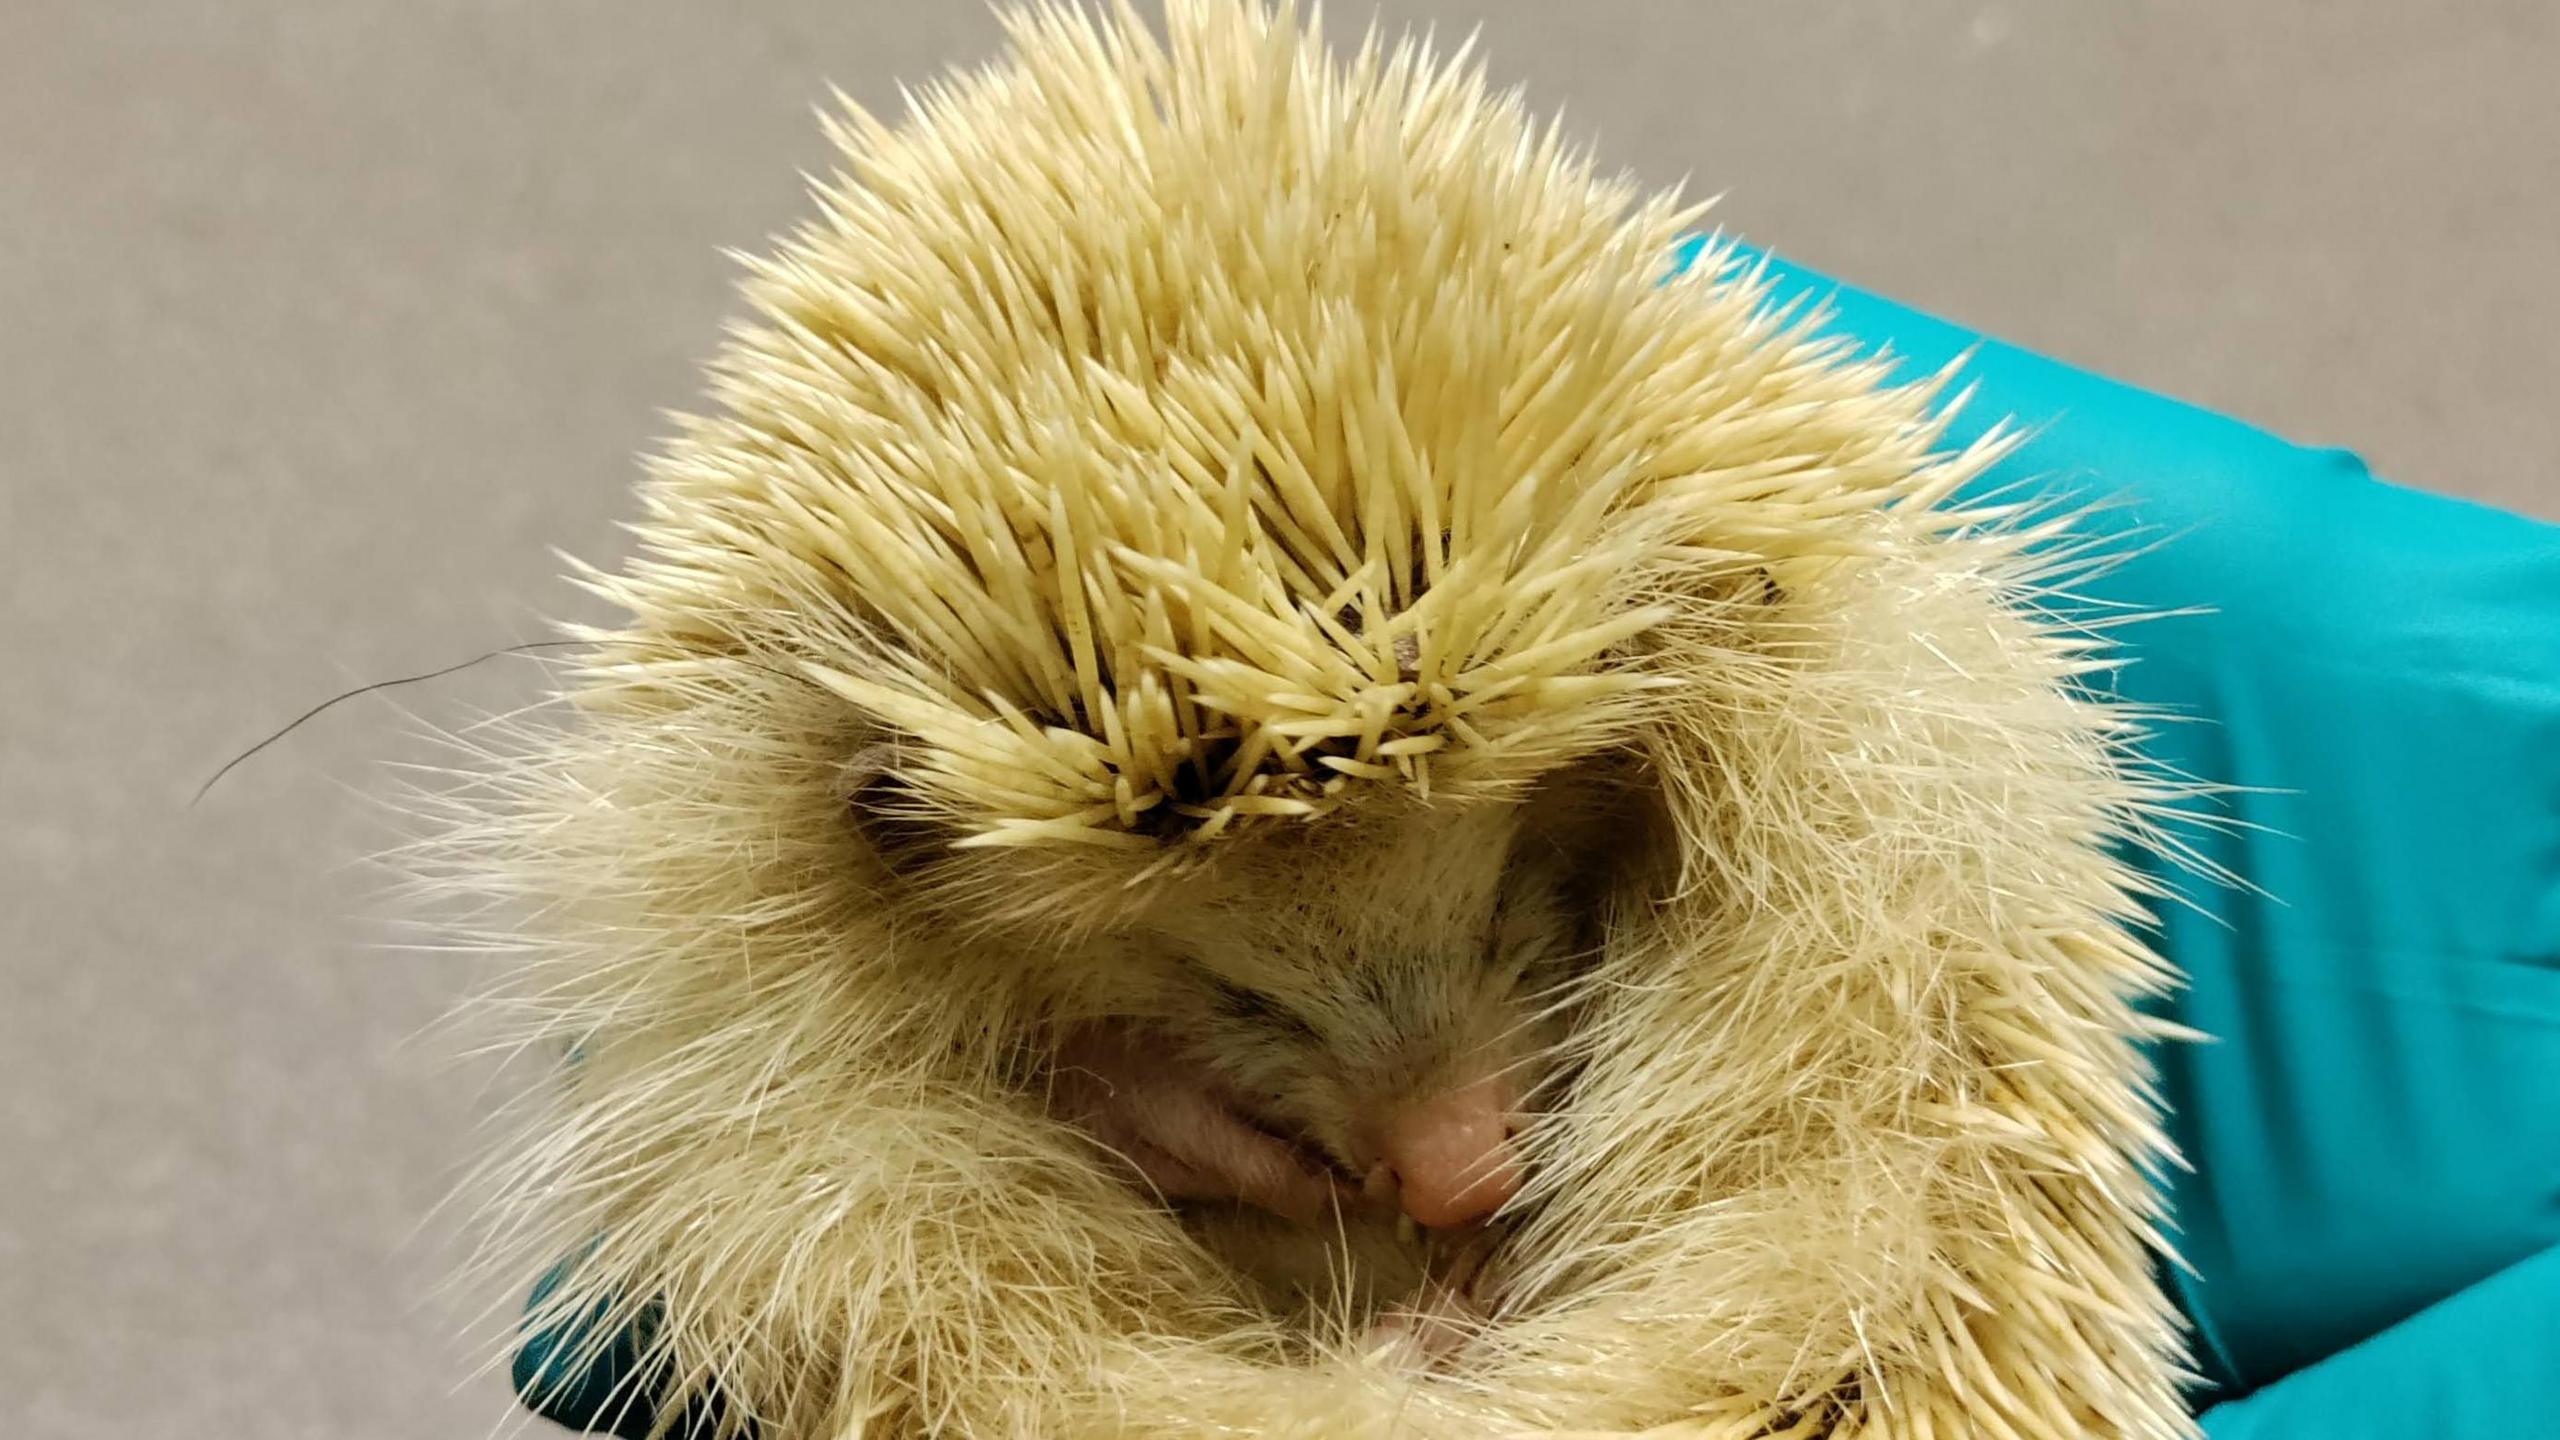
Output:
x=1260 y=774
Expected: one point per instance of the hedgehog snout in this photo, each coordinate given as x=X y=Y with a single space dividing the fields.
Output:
x=1452 y=1157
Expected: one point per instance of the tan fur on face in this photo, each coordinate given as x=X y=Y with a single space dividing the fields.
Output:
x=1388 y=967
x=1179 y=504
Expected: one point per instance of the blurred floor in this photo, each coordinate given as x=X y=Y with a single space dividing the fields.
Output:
x=319 y=323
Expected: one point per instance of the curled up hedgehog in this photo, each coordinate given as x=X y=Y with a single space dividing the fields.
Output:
x=1258 y=779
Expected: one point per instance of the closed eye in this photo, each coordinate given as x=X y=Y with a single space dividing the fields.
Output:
x=1253 y=1007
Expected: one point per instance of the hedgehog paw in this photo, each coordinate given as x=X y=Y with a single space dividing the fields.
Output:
x=1429 y=1333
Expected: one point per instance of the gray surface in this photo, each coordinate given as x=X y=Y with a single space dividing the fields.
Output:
x=319 y=323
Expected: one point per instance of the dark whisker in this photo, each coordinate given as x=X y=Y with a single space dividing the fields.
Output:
x=333 y=701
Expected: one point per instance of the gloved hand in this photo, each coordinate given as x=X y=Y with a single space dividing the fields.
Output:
x=2372 y=1223
x=2375 y=1128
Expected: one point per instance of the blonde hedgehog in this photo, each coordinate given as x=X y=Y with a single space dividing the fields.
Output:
x=1262 y=777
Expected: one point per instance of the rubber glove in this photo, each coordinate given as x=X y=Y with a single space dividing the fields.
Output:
x=2375 y=1127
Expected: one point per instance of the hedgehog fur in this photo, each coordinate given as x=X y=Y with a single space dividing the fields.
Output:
x=1167 y=453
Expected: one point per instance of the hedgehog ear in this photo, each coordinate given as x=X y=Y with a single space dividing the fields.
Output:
x=1608 y=815
x=888 y=813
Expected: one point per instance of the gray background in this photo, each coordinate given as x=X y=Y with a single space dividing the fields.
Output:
x=319 y=323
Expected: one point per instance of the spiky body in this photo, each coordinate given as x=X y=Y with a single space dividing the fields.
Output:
x=1171 y=475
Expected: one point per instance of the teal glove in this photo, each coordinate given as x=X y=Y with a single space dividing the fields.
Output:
x=571 y=1374
x=2376 y=1129
x=2377 y=1124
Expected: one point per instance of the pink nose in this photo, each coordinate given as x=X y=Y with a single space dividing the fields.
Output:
x=1452 y=1154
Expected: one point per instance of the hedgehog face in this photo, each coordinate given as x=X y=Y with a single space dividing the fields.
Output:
x=1390 y=987
x=1388 y=995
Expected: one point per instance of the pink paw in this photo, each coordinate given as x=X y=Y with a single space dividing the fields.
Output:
x=1426 y=1335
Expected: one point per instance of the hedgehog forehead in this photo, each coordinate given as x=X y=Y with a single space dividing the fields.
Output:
x=1414 y=881
x=1136 y=690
